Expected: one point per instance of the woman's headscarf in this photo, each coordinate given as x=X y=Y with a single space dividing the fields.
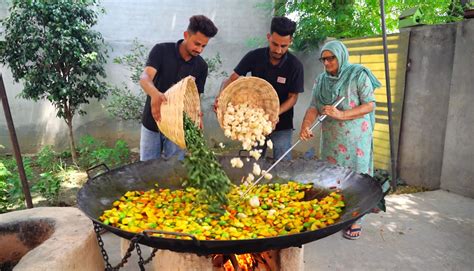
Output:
x=329 y=87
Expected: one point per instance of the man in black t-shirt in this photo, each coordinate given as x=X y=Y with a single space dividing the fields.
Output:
x=167 y=64
x=283 y=71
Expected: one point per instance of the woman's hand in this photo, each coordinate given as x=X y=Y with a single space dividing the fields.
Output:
x=309 y=117
x=305 y=133
x=333 y=112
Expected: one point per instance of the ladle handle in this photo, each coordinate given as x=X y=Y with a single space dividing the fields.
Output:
x=319 y=120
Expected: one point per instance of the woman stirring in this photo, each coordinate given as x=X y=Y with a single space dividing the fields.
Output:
x=347 y=131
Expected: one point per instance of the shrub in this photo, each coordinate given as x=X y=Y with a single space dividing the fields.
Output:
x=93 y=152
x=47 y=158
x=48 y=186
x=4 y=188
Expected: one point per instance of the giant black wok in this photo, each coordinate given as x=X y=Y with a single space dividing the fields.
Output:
x=361 y=193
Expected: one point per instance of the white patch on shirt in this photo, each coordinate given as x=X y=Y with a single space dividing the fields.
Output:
x=281 y=80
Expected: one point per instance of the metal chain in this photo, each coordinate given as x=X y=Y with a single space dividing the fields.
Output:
x=108 y=266
x=151 y=256
x=133 y=241
x=141 y=261
x=97 y=229
x=140 y=258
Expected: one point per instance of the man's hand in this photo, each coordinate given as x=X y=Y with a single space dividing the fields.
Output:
x=234 y=76
x=201 y=122
x=156 y=101
x=275 y=122
x=216 y=104
x=333 y=112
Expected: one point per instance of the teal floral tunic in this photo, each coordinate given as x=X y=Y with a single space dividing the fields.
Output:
x=349 y=143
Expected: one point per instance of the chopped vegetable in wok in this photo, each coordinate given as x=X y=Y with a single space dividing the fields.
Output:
x=272 y=210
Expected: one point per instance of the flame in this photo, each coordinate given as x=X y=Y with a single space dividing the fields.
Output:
x=228 y=266
x=245 y=261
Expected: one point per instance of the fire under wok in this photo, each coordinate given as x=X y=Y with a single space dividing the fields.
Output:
x=361 y=193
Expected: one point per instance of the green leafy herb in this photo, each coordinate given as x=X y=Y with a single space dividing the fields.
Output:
x=204 y=171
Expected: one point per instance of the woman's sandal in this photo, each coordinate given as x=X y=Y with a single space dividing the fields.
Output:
x=352 y=233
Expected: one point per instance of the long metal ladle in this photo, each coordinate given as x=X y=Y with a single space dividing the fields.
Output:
x=320 y=120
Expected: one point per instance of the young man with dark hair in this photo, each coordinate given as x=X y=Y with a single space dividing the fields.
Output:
x=167 y=64
x=283 y=71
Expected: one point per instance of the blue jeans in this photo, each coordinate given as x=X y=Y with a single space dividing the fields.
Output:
x=281 y=143
x=154 y=145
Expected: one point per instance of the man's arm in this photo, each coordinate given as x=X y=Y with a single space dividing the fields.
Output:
x=200 y=83
x=227 y=82
x=289 y=103
x=157 y=98
x=234 y=76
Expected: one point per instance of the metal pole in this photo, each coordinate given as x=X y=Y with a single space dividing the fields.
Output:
x=16 y=147
x=389 y=96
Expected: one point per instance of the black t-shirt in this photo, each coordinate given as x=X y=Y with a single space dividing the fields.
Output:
x=285 y=77
x=171 y=68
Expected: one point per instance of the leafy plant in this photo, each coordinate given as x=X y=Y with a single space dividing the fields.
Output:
x=15 y=196
x=93 y=152
x=112 y=156
x=65 y=154
x=214 y=65
x=134 y=61
x=87 y=145
x=354 y=18
x=4 y=188
x=48 y=186
x=51 y=48
x=125 y=103
x=46 y=158
x=204 y=171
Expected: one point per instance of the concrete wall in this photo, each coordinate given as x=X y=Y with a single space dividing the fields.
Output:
x=436 y=149
x=457 y=174
x=431 y=55
x=238 y=22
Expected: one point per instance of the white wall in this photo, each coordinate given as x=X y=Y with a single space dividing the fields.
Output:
x=150 y=22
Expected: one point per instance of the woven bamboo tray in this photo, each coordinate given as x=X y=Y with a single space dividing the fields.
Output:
x=182 y=97
x=254 y=91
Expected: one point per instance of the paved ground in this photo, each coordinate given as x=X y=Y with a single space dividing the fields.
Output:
x=422 y=231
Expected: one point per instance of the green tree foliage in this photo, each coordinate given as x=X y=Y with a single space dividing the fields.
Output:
x=51 y=48
x=319 y=19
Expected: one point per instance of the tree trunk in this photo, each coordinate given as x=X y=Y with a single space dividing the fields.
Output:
x=72 y=143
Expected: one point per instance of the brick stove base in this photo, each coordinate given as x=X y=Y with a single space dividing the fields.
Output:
x=290 y=259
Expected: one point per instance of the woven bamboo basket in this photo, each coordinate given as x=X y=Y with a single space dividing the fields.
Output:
x=254 y=91
x=182 y=97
